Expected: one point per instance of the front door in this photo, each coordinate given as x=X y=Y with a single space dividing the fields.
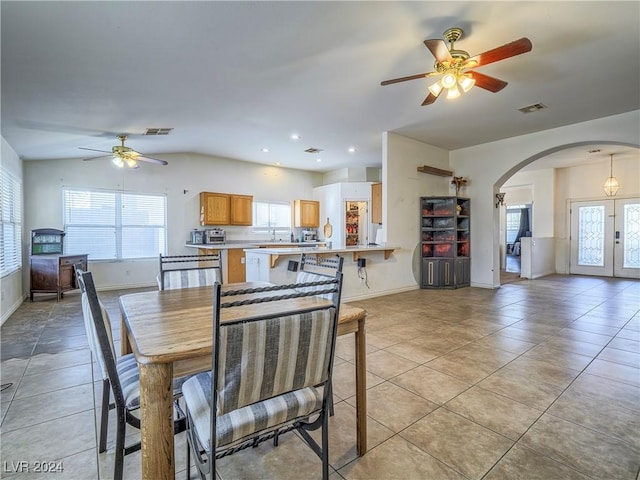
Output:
x=605 y=238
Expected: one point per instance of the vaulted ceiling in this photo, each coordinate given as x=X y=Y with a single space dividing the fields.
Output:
x=234 y=78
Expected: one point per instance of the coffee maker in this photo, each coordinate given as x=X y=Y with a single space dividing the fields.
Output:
x=309 y=235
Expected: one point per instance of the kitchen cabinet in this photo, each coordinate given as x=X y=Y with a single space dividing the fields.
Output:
x=241 y=210
x=54 y=273
x=225 y=209
x=445 y=242
x=376 y=203
x=306 y=213
x=236 y=267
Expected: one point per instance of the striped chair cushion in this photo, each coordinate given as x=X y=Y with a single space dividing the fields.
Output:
x=200 y=277
x=307 y=277
x=129 y=376
x=92 y=336
x=266 y=358
x=242 y=424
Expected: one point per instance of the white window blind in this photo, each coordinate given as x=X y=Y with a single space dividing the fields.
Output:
x=271 y=216
x=111 y=225
x=11 y=221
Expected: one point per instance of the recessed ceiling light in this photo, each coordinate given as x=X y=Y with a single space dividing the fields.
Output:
x=278 y=164
x=351 y=149
x=265 y=149
x=318 y=160
x=295 y=136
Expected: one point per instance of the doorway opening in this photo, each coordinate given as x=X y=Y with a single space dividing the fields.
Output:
x=517 y=225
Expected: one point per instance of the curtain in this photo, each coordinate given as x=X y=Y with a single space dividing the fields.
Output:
x=523 y=230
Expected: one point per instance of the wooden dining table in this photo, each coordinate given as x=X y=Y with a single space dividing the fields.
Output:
x=170 y=333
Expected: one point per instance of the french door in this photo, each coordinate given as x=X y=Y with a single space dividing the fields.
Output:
x=605 y=238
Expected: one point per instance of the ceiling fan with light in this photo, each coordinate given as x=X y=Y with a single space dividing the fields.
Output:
x=456 y=66
x=123 y=155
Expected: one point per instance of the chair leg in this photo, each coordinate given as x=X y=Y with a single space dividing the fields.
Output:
x=325 y=446
x=104 y=416
x=120 y=434
x=188 y=460
x=330 y=387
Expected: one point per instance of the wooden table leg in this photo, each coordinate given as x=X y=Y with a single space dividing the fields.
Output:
x=125 y=344
x=156 y=411
x=361 y=387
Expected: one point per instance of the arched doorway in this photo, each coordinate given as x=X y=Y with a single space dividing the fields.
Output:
x=552 y=246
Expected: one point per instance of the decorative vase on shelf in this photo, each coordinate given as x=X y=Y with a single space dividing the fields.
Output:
x=458 y=182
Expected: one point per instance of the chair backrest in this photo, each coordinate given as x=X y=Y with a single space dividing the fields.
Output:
x=99 y=333
x=260 y=358
x=316 y=269
x=187 y=271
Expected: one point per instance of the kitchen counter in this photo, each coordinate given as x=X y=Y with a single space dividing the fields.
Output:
x=355 y=251
x=244 y=244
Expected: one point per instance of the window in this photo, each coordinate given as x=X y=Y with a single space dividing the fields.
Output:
x=110 y=225
x=11 y=221
x=268 y=217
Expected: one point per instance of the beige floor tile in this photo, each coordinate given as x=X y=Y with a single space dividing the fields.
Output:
x=398 y=459
x=430 y=384
x=583 y=449
x=406 y=406
x=615 y=371
x=521 y=463
x=459 y=443
x=495 y=412
x=387 y=365
x=40 y=408
x=54 y=380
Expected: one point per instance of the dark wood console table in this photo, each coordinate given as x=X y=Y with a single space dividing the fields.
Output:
x=54 y=273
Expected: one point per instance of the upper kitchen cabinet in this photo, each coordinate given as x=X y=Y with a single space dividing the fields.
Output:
x=376 y=203
x=241 y=210
x=306 y=213
x=225 y=209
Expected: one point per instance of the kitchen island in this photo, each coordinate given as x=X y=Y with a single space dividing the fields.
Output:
x=233 y=257
x=275 y=265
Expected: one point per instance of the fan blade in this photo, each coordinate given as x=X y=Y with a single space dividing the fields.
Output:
x=512 y=49
x=439 y=50
x=488 y=83
x=430 y=99
x=94 y=158
x=404 y=79
x=157 y=161
x=94 y=150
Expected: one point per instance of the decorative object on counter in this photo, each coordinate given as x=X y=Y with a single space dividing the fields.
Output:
x=458 y=182
x=500 y=199
x=328 y=229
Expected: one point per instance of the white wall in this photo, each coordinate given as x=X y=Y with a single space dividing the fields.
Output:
x=489 y=165
x=402 y=187
x=11 y=290
x=182 y=181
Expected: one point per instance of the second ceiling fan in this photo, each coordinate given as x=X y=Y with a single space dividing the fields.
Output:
x=456 y=66
x=123 y=155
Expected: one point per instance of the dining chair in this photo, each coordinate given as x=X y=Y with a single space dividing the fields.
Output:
x=119 y=375
x=187 y=271
x=271 y=376
x=314 y=268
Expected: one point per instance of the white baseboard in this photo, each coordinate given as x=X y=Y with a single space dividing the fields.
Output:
x=380 y=294
x=11 y=309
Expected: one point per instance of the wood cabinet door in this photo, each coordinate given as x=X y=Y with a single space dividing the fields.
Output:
x=215 y=208
x=306 y=213
x=236 y=267
x=376 y=203
x=241 y=210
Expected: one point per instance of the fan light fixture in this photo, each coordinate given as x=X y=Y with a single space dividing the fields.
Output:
x=453 y=81
x=611 y=184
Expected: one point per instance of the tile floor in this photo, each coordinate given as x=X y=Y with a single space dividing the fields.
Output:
x=535 y=380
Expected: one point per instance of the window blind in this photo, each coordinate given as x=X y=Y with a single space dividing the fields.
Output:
x=112 y=225
x=11 y=223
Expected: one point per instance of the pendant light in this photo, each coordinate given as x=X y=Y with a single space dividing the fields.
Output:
x=611 y=185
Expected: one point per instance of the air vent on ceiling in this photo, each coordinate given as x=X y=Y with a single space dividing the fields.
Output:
x=158 y=131
x=532 y=108
x=313 y=150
